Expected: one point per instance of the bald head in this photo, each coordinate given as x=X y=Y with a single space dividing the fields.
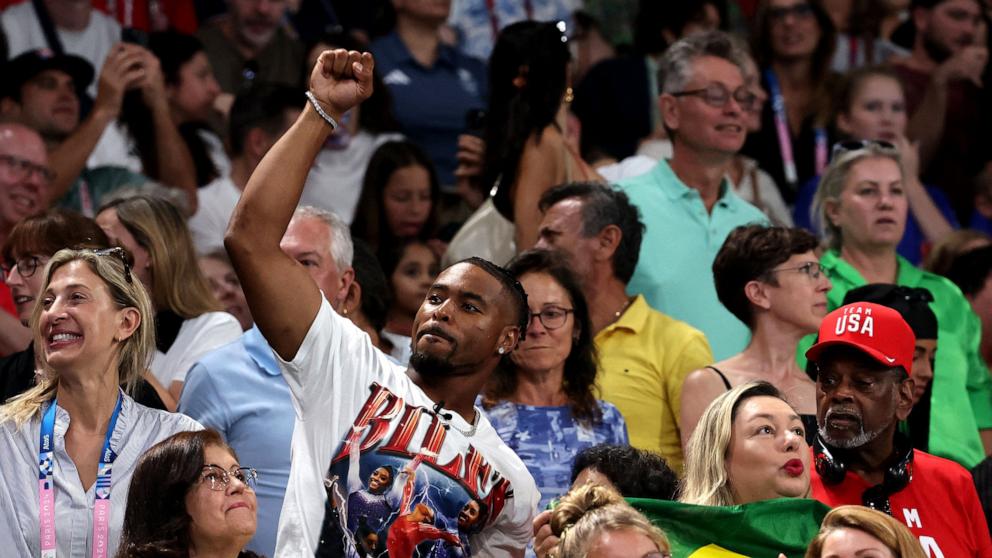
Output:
x=23 y=170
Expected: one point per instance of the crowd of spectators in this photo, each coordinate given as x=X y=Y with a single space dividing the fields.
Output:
x=460 y=278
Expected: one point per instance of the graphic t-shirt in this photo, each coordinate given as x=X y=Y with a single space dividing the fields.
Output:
x=377 y=470
x=547 y=439
x=939 y=505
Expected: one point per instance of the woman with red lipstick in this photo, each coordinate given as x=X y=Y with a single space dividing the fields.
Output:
x=872 y=106
x=770 y=279
x=190 y=497
x=399 y=198
x=750 y=445
x=541 y=400
x=862 y=205
x=68 y=446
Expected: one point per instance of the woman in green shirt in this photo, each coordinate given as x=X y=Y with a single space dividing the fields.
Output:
x=862 y=208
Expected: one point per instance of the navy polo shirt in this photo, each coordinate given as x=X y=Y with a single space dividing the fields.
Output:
x=431 y=102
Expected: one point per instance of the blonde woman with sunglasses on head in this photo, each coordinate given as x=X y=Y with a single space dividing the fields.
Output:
x=68 y=446
x=862 y=206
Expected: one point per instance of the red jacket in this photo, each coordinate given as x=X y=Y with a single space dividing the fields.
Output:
x=939 y=505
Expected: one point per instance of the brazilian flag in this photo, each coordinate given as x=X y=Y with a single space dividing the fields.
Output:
x=756 y=530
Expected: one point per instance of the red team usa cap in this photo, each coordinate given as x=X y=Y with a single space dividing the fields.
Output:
x=876 y=330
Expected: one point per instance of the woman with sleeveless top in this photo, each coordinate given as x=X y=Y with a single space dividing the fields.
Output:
x=770 y=279
x=527 y=151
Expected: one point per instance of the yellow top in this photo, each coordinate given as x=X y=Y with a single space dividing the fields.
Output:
x=644 y=357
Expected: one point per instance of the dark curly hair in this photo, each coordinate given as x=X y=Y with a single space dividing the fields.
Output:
x=580 y=365
x=635 y=473
x=156 y=522
x=748 y=254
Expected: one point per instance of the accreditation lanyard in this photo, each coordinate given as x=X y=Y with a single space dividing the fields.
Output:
x=785 y=136
x=46 y=486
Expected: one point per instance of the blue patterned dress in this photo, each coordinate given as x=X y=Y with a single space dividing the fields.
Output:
x=547 y=439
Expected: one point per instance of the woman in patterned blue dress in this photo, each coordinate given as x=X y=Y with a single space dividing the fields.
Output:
x=541 y=400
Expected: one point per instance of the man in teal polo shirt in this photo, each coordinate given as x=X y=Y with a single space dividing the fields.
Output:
x=687 y=202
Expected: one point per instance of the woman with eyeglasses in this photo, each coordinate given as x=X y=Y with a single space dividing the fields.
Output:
x=872 y=107
x=527 y=148
x=68 y=445
x=190 y=497
x=770 y=279
x=793 y=44
x=30 y=246
x=862 y=206
x=541 y=399
x=189 y=319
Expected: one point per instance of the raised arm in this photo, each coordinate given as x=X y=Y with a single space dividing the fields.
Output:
x=121 y=70
x=175 y=164
x=283 y=298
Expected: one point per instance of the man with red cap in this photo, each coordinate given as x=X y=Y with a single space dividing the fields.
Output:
x=863 y=362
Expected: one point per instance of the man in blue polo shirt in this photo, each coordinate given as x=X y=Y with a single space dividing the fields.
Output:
x=433 y=85
x=239 y=389
x=687 y=202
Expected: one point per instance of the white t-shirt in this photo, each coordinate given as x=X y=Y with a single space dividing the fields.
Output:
x=216 y=151
x=335 y=179
x=115 y=148
x=339 y=380
x=24 y=33
x=215 y=204
x=197 y=337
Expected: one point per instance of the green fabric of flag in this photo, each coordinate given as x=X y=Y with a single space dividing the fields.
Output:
x=756 y=530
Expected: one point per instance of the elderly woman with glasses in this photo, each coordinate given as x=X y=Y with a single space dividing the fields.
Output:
x=77 y=431
x=770 y=279
x=862 y=207
x=190 y=497
x=541 y=400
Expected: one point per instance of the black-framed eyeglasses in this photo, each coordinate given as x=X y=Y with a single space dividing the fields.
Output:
x=552 y=317
x=218 y=479
x=118 y=252
x=26 y=266
x=21 y=168
x=798 y=11
x=717 y=95
x=842 y=147
x=811 y=269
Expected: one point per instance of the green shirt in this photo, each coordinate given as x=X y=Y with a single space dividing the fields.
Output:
x=961 y=403
x=675 y=269
x=94 y=186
